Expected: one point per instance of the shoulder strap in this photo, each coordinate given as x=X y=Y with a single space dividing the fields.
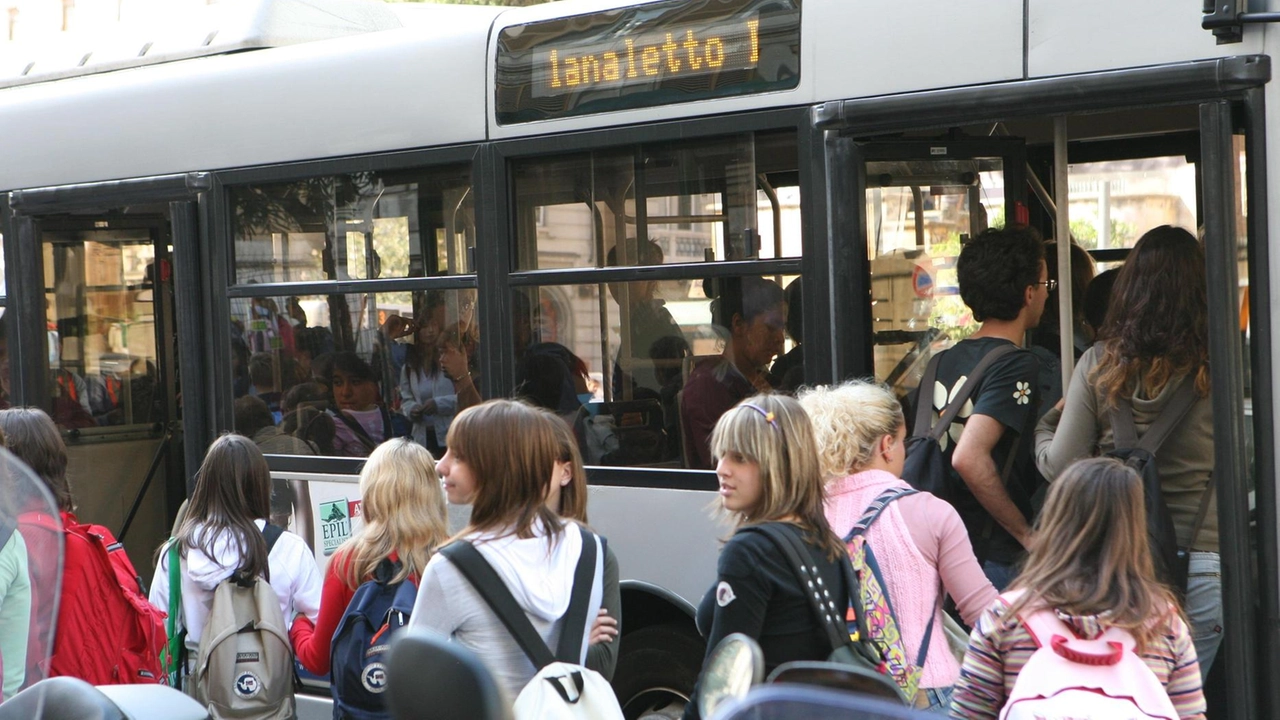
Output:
x=1126 y=431
x=966 y=391
x=1201 y=513
x=495 y=594
x=272 y=533
x=357 y=429
x=820 y=600
x=924 y=397
x=569 y=649
x=876 y=507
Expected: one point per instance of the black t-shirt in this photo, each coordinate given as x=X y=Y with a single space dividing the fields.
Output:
x=757 y=593
x=1008 y=392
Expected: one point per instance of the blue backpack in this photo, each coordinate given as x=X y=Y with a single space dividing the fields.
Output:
x=358 y=670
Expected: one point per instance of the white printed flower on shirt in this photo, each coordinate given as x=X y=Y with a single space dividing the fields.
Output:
x=1023 y=393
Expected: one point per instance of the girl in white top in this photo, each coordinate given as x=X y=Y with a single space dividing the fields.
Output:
x=223 y=532
x=500 y=459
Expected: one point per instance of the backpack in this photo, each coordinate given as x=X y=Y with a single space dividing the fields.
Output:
x=1140 y=455
x=1067 y=677
x=872 y=596
x=562 y=689
x=107 y=633
x=245 y=665
x=849 y=636
x=358 y=671
x=927 y=468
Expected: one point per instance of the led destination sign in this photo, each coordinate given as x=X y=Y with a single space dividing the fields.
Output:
x=653 y=54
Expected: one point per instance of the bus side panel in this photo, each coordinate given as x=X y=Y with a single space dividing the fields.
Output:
x=911 y=46
x=1091 y=35
x=664 y=537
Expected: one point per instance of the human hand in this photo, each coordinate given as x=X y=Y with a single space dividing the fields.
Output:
x=605 y=628
x=398 y=326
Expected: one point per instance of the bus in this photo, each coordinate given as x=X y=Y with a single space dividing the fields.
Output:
x=562 y=198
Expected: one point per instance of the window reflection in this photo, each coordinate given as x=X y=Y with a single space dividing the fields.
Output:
x=338 y=374
x=357 y=226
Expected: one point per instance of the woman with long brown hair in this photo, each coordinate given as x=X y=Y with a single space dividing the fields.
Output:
x=1090 y=563
x=500 y=459
x=1153 y=360
x=767 y=465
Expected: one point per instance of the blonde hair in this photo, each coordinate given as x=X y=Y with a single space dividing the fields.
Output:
x=848 y=421
x=1090 y=555
x=774 y=432
x=403 y=508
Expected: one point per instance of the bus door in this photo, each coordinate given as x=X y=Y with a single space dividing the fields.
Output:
x=923 y=199
x=107 y=371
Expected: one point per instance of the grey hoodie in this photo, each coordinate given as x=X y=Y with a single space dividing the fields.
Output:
x=1083 y=429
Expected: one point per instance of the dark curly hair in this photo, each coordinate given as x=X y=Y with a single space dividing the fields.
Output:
x=1157 y=326
x=996 y=267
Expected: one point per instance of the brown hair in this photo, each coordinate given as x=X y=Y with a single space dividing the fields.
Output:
x=403 y=509
x=511 y=450
x=573 y=497
x=774 y=432
x=1089 y=554
x=31 y=435
x=1157 y=326
x=233 y=489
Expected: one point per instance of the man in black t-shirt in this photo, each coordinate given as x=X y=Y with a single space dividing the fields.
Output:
x=1004 y=281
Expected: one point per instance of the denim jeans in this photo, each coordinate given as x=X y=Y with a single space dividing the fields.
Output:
x=1204 y=607
x=1000 y=574
x=939 y=699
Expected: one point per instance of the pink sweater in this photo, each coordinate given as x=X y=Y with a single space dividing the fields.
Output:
x=917 y=539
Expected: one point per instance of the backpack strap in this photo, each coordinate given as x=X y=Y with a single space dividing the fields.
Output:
x=1201 y=513
x=569 y=649
x=495 y=594
x=358 y=430
x=949 y=414
x=272 y=533
x=873 y=510
x=823 y=605
x=1126 y=431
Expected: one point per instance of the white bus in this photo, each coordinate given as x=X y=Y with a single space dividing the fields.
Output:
x=574 y=183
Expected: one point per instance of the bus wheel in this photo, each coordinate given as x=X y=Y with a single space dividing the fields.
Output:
x=657 y=668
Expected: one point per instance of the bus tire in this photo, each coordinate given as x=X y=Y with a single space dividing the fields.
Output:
x=657 y=668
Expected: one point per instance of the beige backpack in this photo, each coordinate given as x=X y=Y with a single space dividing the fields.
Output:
x=245 y=666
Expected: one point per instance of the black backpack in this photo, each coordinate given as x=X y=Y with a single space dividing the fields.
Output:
x=1140 y=454
x=927 y=468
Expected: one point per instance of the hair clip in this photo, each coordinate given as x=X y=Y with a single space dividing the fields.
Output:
x=768 y=415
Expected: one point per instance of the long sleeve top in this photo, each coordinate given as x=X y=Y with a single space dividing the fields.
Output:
x=998 y=650
x=416 y=388
x=920 y=544
x=15 y=612
x=312 y=642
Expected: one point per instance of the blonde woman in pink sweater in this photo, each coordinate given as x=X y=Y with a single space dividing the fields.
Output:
x=919 y=541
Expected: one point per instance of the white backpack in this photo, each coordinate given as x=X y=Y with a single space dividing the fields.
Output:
x=1068 y=678
x=562 y=689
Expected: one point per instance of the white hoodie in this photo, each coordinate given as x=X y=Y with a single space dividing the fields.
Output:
x=294 y=576
x=539 y=578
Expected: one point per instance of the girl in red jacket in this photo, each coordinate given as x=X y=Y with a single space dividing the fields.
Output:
x=404 y=519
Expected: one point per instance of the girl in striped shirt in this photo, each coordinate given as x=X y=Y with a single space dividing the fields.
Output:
x=1089 y=561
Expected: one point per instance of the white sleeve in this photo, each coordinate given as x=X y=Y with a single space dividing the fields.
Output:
x=433 y=609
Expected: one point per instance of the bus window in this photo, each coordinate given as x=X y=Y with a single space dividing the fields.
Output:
x=336 y=374
x=1113 y=202
x=918 y=213
x=403 y=223
x=101 y=327
x=642 y=370
x=725 y=198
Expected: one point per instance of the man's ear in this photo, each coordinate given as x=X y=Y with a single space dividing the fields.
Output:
x=1028 y=294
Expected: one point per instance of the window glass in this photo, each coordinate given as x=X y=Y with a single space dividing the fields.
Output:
x=918 y=213
x=101 y=327
x=643 y=369
x=730 y=198
x=336 y=374
x=404 y=223
x=1114 y=202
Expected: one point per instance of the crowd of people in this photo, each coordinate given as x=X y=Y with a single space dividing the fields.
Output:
x=1036 y=524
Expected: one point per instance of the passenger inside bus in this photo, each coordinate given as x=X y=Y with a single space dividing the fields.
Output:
x=361 y=420
x=787 y=372
x=751 y=312
x=649 y=321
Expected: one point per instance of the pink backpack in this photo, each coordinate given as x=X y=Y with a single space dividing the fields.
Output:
x=1068 y=677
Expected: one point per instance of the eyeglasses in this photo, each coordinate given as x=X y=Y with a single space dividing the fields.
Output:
x=1049 y=285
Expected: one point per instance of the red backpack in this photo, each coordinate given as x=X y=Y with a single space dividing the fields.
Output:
x=107 y=632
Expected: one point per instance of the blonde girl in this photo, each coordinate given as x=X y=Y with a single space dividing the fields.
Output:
x=403 y=510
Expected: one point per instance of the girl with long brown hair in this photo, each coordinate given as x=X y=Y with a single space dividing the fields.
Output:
x=767 y=465
x=1153 y=358
x=1089 y=562
x=403 y=511
x=500 y=460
